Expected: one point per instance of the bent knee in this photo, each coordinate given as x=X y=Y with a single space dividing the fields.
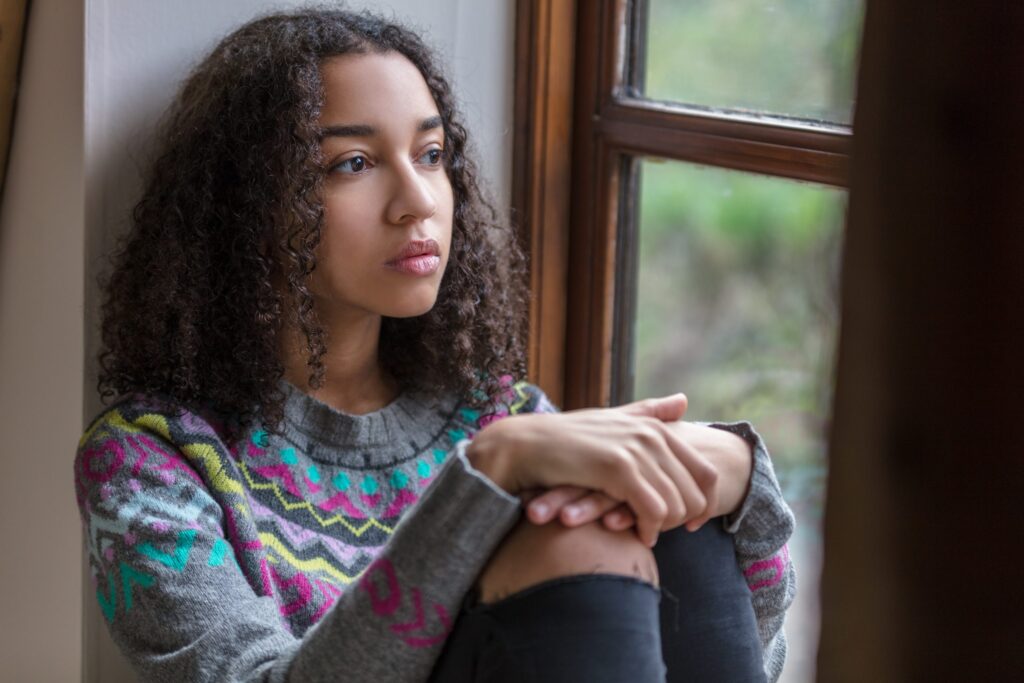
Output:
x=531 y=554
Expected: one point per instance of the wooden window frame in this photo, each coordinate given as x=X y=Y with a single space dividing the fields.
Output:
x=578 y=80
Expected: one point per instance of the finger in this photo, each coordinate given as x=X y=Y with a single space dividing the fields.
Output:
x=587 y=509
x=675 y=461
x=666 y=409
x=619 y=519
x=658 y=464
x=632 y=483
x=695 y=477
x=543 y=508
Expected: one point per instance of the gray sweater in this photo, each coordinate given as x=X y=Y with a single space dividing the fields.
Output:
x=337 y=549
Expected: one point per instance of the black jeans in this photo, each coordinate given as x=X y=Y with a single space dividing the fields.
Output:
x=606 y=628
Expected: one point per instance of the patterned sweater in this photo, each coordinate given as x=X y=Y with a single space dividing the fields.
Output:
x=343 y=544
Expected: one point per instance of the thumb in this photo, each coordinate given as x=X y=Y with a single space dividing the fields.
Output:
x=666 y=409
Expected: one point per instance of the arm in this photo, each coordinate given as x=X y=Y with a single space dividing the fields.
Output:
x=188 y=594
x=751 y=506
x=762 y=526
x=629 y=453
x=750 y=501
x=728 y=454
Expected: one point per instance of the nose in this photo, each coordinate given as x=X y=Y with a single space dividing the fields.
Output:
x=413 y=196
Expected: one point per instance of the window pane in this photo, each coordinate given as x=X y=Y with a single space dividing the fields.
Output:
x=789 y=57
x=737 y=307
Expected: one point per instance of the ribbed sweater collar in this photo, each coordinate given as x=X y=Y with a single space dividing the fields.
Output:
x=398 y=431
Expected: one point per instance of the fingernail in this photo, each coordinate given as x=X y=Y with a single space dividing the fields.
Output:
x=573 y=511
x=541 y=509
x=615 y=518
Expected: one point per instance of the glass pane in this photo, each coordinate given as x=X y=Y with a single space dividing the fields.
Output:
x=737 y=307
x=789 y=57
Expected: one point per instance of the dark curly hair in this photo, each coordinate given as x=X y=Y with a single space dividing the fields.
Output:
x=231 y=204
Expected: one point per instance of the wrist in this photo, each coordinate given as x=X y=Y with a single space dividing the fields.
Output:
x=488 y=454
x=731 y=455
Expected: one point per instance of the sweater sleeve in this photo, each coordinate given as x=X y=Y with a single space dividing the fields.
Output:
x=158 y=521
x=761 y=528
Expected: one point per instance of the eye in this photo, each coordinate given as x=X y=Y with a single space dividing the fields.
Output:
x=435 y=156
x=351 y=166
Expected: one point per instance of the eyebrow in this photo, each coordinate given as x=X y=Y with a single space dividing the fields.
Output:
x=361 y=130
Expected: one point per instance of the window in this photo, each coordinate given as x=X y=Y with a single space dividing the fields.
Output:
x=689 y=237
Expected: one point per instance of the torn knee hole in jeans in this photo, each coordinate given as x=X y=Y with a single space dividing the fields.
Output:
x=504 y=596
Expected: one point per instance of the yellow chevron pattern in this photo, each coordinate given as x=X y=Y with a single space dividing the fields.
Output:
x=318 y=564
x=524 y=398
x=199 y=453
x=207 y=455
x=112 y=422
x=154 y=423
x=305 y=504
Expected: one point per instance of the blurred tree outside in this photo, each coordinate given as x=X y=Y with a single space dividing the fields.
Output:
x=737 y=301
x=792 y=57
x=737 y=307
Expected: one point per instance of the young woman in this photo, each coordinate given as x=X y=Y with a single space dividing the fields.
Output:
x=319 y=459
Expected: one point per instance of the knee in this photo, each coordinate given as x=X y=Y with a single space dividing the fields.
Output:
x=531 y=554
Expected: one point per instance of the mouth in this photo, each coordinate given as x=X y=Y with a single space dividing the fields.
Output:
x=418 y=257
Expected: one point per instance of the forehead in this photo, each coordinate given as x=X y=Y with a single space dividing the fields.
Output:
x=375 y=89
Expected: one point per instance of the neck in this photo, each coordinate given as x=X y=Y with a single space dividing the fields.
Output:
x=354 y=381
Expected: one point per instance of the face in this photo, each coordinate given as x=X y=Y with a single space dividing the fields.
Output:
x=387 y=199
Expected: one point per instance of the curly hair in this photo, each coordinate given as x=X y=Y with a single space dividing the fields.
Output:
x=232 y=204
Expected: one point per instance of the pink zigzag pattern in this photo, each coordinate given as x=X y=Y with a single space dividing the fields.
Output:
x=282 y=473
x=268 y=588
x=171 y=461
x=330 y=593
x=404 y=499
x=300 y=536
x=304 y=589
x=777 y=563
x=341 y=500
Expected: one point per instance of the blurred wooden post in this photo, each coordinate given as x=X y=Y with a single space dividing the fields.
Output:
x=924 y=526
x=541 y=174
x=12 y=28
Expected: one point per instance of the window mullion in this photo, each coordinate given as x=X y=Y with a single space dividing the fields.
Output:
x=816 y=154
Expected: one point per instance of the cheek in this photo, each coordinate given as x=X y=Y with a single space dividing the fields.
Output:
x=446 y=208
x=344 y=226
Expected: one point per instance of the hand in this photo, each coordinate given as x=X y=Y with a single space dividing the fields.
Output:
x=628 y=453
x=575 y=506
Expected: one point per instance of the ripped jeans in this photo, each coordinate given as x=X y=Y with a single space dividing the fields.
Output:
x=607 y=628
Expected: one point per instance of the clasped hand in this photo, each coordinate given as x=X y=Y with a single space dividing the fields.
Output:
x=628 y=465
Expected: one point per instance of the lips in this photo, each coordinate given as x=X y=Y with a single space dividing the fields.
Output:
x=419 y=257
x=416 y=248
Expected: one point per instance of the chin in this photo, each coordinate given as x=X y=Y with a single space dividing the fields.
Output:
x=411 y=307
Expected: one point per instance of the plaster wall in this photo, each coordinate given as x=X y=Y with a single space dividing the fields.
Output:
x=41 y=361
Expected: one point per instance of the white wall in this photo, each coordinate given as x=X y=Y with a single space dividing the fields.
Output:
x=73 y=175
x=41 y=334
x=137 y=51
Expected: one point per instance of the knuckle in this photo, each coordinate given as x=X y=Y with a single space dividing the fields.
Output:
x=676 y=518
x=618 y=463
x=648 y=434
x=659 y=510
x=710 y=476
